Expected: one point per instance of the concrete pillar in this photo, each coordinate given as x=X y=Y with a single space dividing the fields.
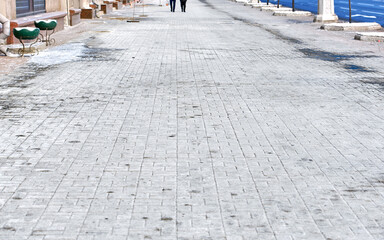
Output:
x=326 y=11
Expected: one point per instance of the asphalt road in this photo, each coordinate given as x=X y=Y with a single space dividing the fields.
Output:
x=362 y=10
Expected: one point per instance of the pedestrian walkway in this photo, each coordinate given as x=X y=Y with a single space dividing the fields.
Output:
x=219 y=123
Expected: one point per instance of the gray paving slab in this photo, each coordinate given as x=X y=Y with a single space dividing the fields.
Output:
x=218 y=123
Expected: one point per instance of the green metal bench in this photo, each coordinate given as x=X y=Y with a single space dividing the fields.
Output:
x=26 y=33
x=46 y=25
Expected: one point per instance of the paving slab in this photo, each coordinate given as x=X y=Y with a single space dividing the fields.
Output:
x=351 y=26
x=219 y=123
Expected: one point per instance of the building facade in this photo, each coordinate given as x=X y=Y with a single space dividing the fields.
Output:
x=13 y=9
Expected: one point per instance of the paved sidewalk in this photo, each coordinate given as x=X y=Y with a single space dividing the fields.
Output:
x=219 y=123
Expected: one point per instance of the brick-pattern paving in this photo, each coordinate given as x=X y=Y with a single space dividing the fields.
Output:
x=197 y=125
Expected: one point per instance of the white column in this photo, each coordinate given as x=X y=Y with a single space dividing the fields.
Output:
x=326 y=11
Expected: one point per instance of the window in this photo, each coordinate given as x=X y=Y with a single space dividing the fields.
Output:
x=29 y=7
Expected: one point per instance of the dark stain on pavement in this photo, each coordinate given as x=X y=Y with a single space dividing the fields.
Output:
x=337 y=57
x=8 y=228
x=25 y=73
x=279 y=35
x=276 y=33
x=308 y=52
x=20 y=80
x=357 y=68
x=356 y=190
x=329 y=56
x=374 y=81
x=93 y=52
x=96 y=54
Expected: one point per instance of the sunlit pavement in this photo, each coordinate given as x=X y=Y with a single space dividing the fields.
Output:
x=219 y=123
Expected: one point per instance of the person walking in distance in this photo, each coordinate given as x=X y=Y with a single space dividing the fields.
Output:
x=183 y=4
x=172 y=3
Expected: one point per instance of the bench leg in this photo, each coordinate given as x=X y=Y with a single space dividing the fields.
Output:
x=50 y=40
x=30 y=48
x=21 y=51
x=47 y=39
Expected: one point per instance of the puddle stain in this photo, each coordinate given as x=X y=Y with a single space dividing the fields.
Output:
x=90 y=53
x=311 y=53
x=279 y=35
x=8 y=228
x=329 y=56
x=357 y=68
x=25 y=73
x=336 y=57
x=374 y=81
x=48 y=60
x=276 y=33
x=20 y=80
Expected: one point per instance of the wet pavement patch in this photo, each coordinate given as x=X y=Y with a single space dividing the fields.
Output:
x=357 y=68
x=274 y=32
x=337 y=57
x=329 y=56
x=97 y=54
x=6 y=106
x=356 y=190
x=25 y=74
x=232 y=16
x=48 y=60
x=74 y=52
x=282 y=36
x=375 y=81
x=19 y=80
x=92 y=51
x=8 y=228
x=207 y=4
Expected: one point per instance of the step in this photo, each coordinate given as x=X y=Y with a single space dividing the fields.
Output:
x=363 y=26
